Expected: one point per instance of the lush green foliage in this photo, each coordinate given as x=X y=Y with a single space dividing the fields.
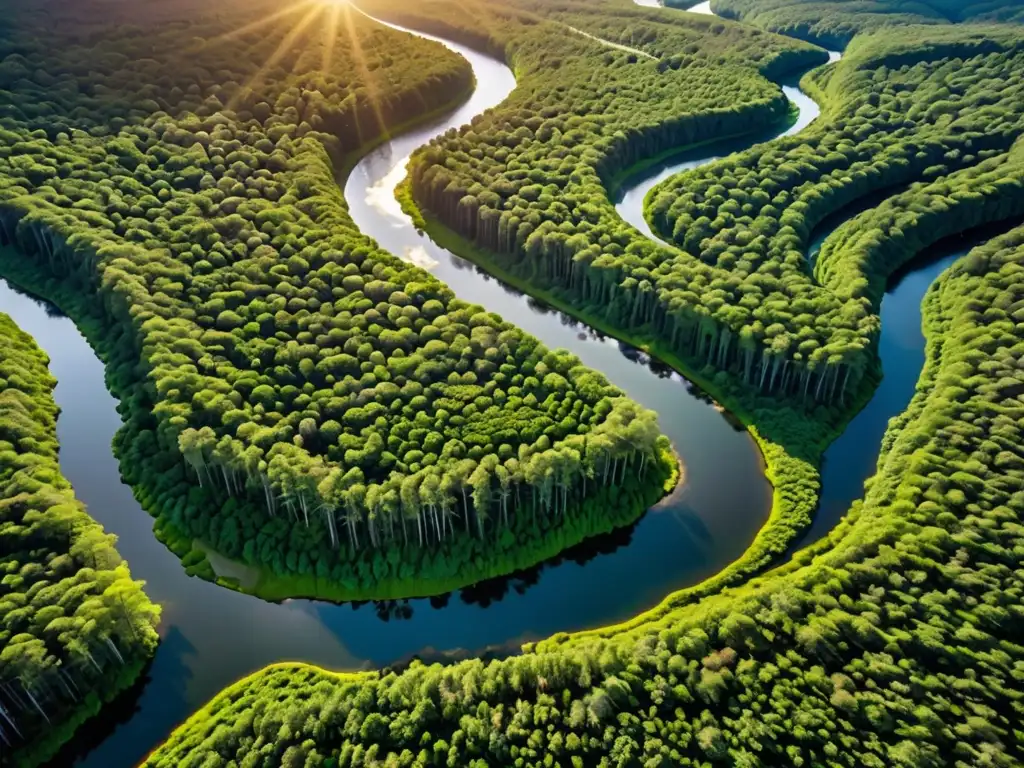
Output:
x=897 y=647
x=917 y=105
x=181 y=179
x=75 y=628
x=738 y=295
x=834 y=22
x=528 y=181
x=893 y=642
x=536 y=207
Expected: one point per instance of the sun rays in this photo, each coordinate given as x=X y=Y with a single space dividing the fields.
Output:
x=330 y=35
x=285 y=46
x=298 y=21
x=266 y=20
x=360 y=59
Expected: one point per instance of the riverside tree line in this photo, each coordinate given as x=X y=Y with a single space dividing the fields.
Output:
x=75 y=628
x=528 y=183
x=833 y=24
x=894 y=643
x=174 y=190
x=899 y=112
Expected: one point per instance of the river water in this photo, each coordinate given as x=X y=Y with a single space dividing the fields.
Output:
x=212 y=636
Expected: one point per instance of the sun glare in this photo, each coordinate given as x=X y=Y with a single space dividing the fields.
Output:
x=337 y=21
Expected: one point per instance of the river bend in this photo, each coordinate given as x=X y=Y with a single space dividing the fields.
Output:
x=212 y=636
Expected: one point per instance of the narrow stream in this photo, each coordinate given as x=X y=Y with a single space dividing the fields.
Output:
x=212 y=636
x=852 y=458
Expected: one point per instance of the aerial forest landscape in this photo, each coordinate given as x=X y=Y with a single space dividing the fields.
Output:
x=562 y=383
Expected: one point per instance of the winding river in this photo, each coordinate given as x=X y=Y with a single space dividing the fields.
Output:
x=212 y=636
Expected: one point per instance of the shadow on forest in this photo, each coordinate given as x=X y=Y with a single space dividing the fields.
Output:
x=168 y=666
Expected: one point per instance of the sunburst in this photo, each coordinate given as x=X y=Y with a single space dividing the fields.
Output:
x=286 y=45
x=360 y=59
x=297 y=17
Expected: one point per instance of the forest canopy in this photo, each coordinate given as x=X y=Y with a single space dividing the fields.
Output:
x=297 y=398
x=896 y=646
x=75 y=628
x=260 y=344
x=833 y=23
x=894 y=641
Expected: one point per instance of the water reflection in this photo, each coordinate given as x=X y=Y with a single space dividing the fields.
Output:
x=489 y=592
x=213 y=636
x=853 y=457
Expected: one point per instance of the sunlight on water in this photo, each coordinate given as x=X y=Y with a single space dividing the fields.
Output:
x=417 y=254
x=381 y=194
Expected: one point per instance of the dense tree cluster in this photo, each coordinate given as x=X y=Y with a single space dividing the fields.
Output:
x=75 y=629
x=855 y=261
x=902 y=108
x=528 y=180
x=833 y=23
x=338 y=406
x=738 y=295
x=893 y=642
x=897 y=645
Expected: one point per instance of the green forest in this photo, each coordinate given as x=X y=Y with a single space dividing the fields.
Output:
x=900 y=109
x=75 y=628
x=295 y=398
x=737 y=296
x=333 y=418
x=833 y=23
x=897 y=646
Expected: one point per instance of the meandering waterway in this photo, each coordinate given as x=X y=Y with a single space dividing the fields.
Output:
x=212 y=636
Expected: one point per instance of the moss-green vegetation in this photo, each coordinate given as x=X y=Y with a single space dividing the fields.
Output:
x=833 y=23
x=75 y=629
x=531 y=537
x=790 y=440
x=527 y=181
x=536 y=169
x=894 y=641
x=294 y=397
x=898 y=647
x=902 y=107
x=737 y=296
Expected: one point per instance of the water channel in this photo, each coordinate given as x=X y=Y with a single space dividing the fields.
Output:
x=212 y=636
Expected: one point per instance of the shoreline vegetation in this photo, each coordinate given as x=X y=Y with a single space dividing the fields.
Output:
x=785 y=469
x=786 y=519
x=892 y=641
x=889 y=642
x=75 y=629
x=269 y=586
x=556 y=540
x=833 y=24
x=722 y=616
x=385 y=426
